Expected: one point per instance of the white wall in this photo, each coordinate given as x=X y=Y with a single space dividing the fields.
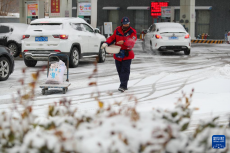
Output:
x=187 y=8
x=94 y=13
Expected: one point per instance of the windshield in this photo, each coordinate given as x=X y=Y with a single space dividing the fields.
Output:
x=46 y=26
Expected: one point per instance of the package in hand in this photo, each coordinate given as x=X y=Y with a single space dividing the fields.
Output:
x=113 y=49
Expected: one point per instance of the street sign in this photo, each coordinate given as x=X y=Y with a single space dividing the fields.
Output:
x=108 y=28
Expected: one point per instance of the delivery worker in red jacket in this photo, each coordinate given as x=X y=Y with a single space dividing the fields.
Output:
x=124 y=36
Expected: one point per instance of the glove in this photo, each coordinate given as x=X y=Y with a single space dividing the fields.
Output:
x=104 y=45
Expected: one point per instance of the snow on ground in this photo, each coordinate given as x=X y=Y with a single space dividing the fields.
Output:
x=156 y=80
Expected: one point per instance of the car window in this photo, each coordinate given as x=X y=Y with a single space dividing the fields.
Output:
x=88 y=28
x=4 y=29
x=153 y=28
x=77 y=26
x=150 y=28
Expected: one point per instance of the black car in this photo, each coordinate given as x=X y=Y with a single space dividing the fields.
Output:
x=6 y=63
x=11 y=36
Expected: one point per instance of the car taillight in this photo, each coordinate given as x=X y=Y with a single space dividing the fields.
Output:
x=228 y=33
x=61 y=36
x=187 y=36
x=158 y=36
x=26 y=50
x=56 y=36
x=25 y=36
x=57 y=51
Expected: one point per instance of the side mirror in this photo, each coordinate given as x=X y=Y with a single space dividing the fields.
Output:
x=96 y=30
x=145 y=31
x=11 y=30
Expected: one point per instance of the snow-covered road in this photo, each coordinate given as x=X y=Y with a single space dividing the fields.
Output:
x=156 y=80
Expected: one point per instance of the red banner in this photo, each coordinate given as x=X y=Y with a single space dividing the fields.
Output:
x=55 y=6
x=156 y=8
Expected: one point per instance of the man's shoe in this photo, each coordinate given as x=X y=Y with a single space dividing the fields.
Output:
x=121 y=89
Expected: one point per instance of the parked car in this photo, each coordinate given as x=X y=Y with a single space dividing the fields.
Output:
x=167 y=36
x=71 y=36
x=6 y=63
x=11 y=35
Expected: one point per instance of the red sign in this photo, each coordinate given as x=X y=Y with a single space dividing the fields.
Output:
x=156 y=8
x=55 y=6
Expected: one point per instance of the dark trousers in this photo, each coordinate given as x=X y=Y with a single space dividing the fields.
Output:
x=123 y=69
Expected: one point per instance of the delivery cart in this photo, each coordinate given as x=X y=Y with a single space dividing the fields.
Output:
x=64 y=86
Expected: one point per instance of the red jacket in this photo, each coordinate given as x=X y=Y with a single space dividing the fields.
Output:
x=129 y=37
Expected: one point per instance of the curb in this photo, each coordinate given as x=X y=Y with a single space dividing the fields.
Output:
x=203 y=41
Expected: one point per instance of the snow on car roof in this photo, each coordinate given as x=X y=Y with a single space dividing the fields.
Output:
x=20 y=27
x=15 y=24
x=169 y=25
x=58 y=20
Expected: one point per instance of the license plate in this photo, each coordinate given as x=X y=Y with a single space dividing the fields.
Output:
x=173 y=38
x=41 y=38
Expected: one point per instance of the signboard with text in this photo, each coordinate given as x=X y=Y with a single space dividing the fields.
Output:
x=32 y=10
x=55 y=8
x=165 y=12
x=108 y=27
x=156 y=8
x=84 y=9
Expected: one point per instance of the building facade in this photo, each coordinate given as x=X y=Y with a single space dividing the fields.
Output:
x=212 y=17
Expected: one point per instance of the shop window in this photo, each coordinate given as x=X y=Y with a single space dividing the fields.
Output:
x=114 y=18
x=177 y=16
x=141 y=20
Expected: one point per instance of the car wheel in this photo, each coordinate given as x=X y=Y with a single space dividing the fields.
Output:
x=154 y=51
x=4 y=69
x=30 y=63
x=74 y=58
x=14 y=49
x=187 y=51
x=101 y=56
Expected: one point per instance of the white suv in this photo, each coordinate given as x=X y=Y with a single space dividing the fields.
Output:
x=71 y=36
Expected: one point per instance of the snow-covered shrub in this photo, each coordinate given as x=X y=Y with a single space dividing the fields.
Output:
x=124 y=130
x=109 y=130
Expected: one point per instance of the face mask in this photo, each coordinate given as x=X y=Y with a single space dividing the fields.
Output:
x=125 y=28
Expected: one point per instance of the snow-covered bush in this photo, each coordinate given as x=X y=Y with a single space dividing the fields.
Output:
x=124 y=130
x=109 y=130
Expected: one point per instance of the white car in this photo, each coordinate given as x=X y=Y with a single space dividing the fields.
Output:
x=11 y=36
x=167 y=36
x=71 y=36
